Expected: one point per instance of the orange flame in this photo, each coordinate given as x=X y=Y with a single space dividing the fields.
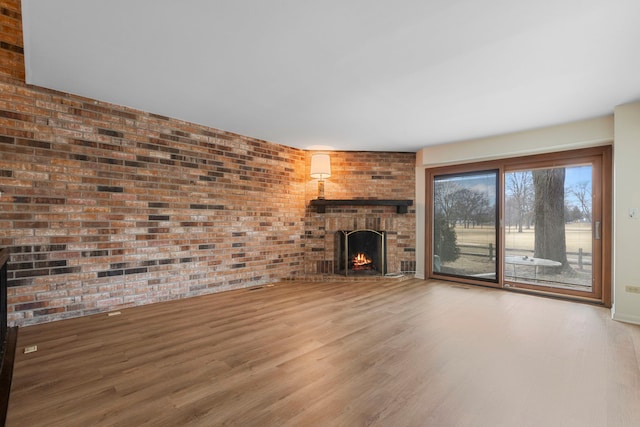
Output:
x=360 y=260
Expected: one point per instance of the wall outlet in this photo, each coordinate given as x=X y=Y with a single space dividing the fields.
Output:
x=632 y=289
x=30 y=349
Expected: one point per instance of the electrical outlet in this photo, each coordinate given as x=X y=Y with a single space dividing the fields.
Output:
x=632 y=289
x=30 y=349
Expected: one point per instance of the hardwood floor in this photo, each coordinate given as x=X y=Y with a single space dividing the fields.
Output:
x=388 y=353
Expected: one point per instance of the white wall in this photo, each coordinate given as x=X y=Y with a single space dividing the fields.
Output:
x=626 y=231
x=582 y=134
x=569 y=136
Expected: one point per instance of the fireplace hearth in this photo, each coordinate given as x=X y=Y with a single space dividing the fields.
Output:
x=360 y=252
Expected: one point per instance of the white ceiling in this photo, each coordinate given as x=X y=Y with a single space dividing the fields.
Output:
x=351 y=74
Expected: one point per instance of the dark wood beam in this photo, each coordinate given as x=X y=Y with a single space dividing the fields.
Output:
x=401 y=205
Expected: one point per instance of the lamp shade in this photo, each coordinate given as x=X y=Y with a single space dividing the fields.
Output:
x=320 y=166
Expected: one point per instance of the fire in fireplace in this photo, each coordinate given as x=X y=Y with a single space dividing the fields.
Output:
x=360 y=252
x=361 y=262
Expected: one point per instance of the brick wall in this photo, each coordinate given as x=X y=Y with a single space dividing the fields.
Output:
x=11 y=45
x=105 y=207
x=363 y=175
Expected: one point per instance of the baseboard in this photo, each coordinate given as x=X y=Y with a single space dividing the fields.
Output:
x=627 y=318
x=418 y=275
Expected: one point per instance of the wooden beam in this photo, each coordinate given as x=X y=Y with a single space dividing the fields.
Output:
x=401 y=205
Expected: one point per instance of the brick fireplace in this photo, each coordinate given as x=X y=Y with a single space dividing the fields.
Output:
x=362 y=176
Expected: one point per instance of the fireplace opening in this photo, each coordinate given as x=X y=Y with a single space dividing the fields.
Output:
x=360 y=252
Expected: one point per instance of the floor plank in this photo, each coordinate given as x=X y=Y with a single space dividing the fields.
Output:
x=401 y=353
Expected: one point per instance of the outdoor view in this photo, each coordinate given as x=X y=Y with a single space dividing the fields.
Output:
x=547 y=226
x=464 y=231
x=548 y=234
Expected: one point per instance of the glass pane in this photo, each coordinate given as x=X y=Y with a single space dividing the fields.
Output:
x=464 y=225
x=548 y=233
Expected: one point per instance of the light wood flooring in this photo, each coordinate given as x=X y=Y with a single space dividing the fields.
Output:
x=384 y=353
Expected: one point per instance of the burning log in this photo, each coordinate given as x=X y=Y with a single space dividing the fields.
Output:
x=361 y=262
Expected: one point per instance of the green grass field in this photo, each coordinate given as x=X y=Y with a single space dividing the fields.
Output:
x=578 y=235
x=474 y=244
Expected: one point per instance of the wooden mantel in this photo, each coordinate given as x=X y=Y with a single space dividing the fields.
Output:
x=401 y=205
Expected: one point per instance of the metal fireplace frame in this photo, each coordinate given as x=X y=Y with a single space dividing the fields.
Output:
x=345 y=238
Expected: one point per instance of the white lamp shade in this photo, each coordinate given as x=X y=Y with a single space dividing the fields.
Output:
x=320 y=166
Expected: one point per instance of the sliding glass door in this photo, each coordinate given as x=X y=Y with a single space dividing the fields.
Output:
x=553 y=228
x=465 y=212
x=549 y=227
x=540 y=223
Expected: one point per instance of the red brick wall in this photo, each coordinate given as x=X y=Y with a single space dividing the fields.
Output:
x=104 y=207
x=11 y=45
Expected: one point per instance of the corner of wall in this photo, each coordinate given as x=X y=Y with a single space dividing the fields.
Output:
x=626 y=230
